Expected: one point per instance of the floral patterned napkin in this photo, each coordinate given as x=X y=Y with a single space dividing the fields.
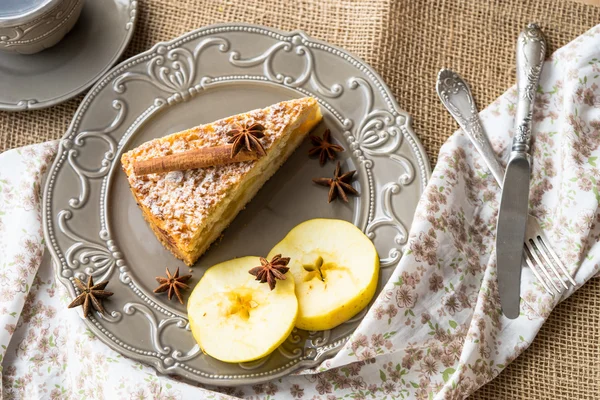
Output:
x=435 y=332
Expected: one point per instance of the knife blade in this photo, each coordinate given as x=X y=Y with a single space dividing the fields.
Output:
x=514 y=203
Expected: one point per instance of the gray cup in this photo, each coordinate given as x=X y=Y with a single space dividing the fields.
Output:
x=30 y=26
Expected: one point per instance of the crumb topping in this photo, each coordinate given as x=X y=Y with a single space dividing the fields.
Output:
x=184 y=199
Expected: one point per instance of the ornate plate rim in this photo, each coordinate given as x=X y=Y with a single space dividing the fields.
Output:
x=103 y=334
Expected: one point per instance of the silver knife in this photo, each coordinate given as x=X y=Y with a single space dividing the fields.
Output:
x=512 y=218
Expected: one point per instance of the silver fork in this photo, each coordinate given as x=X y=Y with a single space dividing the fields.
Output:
x=458 y=100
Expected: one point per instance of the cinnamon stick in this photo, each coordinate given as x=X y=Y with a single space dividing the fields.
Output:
x=199 y=158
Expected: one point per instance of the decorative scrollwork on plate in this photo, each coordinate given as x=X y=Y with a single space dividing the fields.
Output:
x=409 y=172
x=292 y=354
x=389 y=218
x=112 y=316
x=17 y=34
x=294 y=337
x=79 y=141
x=318 y=341
x=379 y=132
x=54 y=18
x=99 y=259
x=172 y=71
x=192 y=353
x=309 y=73
x=156 y=329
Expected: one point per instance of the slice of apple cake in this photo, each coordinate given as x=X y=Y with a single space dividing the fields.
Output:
x=188 y=210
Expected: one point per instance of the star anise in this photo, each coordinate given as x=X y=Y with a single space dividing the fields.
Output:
x=324 y=148
x=339 y=185
x=90 y=295
x=174 y=283
x=246 y=136
x=269 y=271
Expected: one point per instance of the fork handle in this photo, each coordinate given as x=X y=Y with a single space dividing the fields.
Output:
x=456 y=96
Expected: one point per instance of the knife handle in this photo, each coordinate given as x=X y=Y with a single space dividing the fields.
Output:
x=456 y=96
x=531 y=52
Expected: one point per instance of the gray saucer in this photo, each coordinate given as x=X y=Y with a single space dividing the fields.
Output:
x=57 y=74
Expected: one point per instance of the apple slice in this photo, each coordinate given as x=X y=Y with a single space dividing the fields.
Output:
x=235 y=318
x=336 y=269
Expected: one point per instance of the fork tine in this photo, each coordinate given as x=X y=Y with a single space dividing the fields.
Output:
x=536 y=241
x=533 y=253
x=549 y=249
x=536 y=273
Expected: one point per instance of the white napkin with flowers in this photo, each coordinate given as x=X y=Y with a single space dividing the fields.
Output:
x=436 y=331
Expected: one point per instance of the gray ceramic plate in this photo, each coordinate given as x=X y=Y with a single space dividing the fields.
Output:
x=61 y=72
x=93 y=226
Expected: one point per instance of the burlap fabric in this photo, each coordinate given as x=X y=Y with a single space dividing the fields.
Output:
x=407 y=41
